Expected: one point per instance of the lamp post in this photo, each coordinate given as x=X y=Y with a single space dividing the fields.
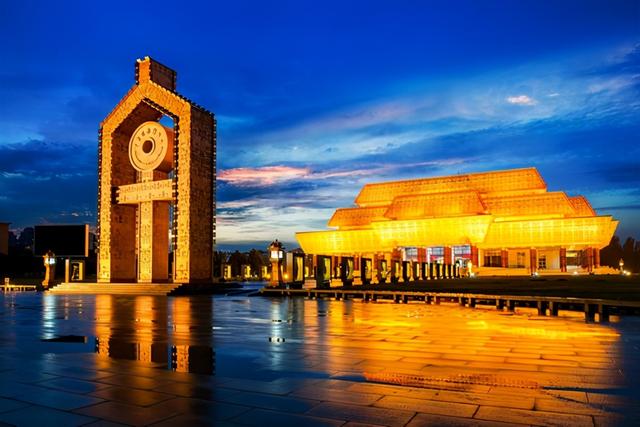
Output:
x=621 y=264
x=276 y=255
x=49 y=260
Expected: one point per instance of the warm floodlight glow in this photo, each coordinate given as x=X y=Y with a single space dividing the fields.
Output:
x=491 y=210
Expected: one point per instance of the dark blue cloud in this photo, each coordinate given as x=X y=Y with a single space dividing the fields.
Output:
x=42 y=182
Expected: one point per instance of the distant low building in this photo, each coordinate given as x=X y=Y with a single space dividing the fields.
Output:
x=499 y=223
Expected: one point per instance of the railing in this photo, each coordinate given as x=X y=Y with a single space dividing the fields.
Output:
x=544 y=305
x=11 y=287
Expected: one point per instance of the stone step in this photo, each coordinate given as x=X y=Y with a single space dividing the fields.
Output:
x=114 y=289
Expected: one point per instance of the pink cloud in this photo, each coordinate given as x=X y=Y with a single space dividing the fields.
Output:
x=269 y=175
x=262 y=176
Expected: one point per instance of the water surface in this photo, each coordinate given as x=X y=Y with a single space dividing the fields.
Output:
x=298 y=342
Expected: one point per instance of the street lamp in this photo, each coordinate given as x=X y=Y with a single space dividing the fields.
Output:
x=621 y=264
x=276 y=256
x=49 y=260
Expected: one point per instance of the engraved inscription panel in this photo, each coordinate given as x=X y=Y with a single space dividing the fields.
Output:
x=144 y=192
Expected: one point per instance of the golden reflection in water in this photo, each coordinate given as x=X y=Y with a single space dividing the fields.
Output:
x=192 y=337
x=138 y=330
x=553 y=332
x=419 y=344
x=103 y=323
x=181 y=317
x=143 y=329
x=181 y=330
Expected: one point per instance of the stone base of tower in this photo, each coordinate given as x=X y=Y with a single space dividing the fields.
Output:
x=87 y=288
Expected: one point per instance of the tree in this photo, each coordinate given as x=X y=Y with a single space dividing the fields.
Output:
x=257 y=260
x=629 y=252
x=610 y=255
x=236 y=260
x=219 y=258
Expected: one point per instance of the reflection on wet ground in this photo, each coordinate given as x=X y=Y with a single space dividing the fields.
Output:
x=255 y=361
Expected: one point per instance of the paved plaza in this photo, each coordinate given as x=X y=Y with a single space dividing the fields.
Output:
x=254 y=361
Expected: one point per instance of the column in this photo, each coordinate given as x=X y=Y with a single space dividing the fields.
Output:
x=358 y=272
x=396 y=257
x=374 y=269
x=474 y=256
x=563 y=260
x=422 y=254
x=336 y=277
x=596 y=257
x=504 y=254
x=448 y=257
x=153 y=236
x=533 y=260
x=589 y=259
x=422 y=258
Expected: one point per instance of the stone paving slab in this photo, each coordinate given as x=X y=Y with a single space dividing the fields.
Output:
x=57 y=399
x=337 y=395
x=103 y=423
x=134 y=381
x=7 y=405
x=261 y=417
x=127 y=414
x=430 y=420
x=73 y=385
x=291 y=403
x=463 y=410
x=363 y=414
x=537 y=418
x=41 y=416
x=131 y=396
x=217 y=411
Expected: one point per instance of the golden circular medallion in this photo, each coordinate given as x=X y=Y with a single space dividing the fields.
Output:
x=151 y=147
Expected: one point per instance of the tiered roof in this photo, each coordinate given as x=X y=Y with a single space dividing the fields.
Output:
x=488 y=209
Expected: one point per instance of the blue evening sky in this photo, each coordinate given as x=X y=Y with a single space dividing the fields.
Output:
x=314 y=99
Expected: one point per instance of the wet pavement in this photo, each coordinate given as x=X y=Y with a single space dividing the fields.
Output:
x=237 y=360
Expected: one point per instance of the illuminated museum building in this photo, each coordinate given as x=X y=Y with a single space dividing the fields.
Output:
x=502 y=222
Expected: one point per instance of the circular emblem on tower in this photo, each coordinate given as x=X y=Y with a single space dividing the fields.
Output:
x=151 y=147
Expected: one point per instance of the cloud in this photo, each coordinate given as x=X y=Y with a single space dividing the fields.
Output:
x=227 y=122
x=615 y=84
x=521 y=100
x=262 y=176
x=42 y=159
x=424 y=110
x=281 y=174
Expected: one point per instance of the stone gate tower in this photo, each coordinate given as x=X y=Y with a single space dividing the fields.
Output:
x=145 y=169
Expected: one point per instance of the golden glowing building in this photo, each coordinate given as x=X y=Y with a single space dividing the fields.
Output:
x=502 y=222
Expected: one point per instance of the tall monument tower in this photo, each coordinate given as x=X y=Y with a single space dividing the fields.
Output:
x=156 y=185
